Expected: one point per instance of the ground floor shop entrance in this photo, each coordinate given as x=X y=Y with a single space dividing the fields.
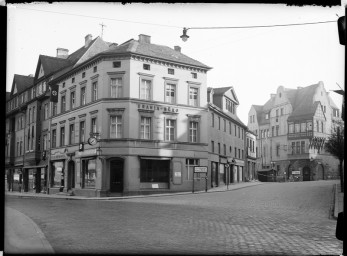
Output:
x=116 y=176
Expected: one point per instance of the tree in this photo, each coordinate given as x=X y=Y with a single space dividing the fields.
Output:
x=335 y=146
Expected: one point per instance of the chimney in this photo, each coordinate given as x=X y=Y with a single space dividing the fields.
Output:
x=177 y=48
x=62 y=53
x=144 y=39
x=88 y=38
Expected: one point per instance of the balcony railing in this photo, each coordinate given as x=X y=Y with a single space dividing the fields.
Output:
x=300 y=135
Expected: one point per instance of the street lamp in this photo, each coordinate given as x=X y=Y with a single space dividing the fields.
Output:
x=184 y=36
x=229 y=165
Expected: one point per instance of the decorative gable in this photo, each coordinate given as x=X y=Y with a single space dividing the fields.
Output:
x=41 y=72
x=319 y=112
x=15 y=89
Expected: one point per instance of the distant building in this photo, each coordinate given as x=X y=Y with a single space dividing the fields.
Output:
x=227 y=137
x=251 y=157
x=291 y=128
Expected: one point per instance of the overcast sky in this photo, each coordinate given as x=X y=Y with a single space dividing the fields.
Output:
x=255 y=61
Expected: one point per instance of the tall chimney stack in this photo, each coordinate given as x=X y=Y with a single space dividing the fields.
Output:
x=177 y=48
x=62 y=53
x=88 y=38
x=144 y=39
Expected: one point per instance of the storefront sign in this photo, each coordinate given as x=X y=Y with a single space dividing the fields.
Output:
x=200 y=169
x=60 y=156
x=154 y=107
x=295 y=172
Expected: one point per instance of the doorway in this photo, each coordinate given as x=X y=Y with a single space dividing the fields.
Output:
x=306 y=174
x=116 y=176
x=71 y=175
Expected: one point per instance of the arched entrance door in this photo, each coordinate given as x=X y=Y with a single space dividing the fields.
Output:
x=116 y=176
x=306 y=173
x=71 y=175
x=320 y=172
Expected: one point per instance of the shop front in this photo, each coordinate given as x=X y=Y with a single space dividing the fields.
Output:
x=57 y=177
x=154 y=173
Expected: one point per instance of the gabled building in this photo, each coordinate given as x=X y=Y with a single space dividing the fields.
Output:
x=129 y=120
x=227 y=137
x=29 y=112
x=291 y=129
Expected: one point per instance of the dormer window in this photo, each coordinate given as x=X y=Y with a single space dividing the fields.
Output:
x=116 y=64
x=95 y=69
x=73 y=80
x=170 y=71
x=194 y=75
x=83 y=74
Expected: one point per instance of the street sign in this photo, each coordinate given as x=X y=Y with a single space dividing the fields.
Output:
x=200 y=169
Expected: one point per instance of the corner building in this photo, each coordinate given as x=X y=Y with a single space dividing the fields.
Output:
x=146 y=106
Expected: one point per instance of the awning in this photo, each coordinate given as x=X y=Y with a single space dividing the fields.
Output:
x=154 y=158
x=34 y=167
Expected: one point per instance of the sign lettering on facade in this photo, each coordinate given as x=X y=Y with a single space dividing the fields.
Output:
x=153 y=107
x=295 y=172
x=200 y=169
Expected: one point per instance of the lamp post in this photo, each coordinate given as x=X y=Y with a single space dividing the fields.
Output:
x=230 y=165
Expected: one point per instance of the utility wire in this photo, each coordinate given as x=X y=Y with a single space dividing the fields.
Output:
x=266 y=26
x=155 y=24
x=96 y=17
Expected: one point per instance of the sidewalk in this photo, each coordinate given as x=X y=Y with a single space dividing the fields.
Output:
x=223 y=188
x=22 y=235
x=338 y=200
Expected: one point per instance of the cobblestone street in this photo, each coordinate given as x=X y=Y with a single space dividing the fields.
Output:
x=271 y=219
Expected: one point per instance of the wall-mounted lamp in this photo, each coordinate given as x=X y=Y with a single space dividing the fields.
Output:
x=184 y=36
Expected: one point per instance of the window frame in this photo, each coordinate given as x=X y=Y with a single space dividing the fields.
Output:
x=119 y=131
x=173 y=126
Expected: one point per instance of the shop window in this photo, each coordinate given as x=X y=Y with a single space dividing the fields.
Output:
x=190 y=164
x=57 y=175
x=88 y=173
x=155 y=170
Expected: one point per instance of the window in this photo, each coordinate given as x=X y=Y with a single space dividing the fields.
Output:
x=277 y=150
x=146 y=67
x=273 y=131
x=229 y=127
x=322 y=126
x=194 y=75
x=72 y=100
x=218 y=123
x=54 y=108
x=63 y=104
x=298 y=147
x=230 y=106
x=277 y=113
x=94 y=91
x=277 y=130
x=242 y=153
x=116 y=127
x=242 y=134
x=170 y=71
x=302 y=147
x=170 y=93
x=63 y=85
x=72 y=134
x=88 y=173
x=95 y=69
x=20 y=147
x=83 y=96
x=193 y=132
x=83 y=74
x=170 y=129
x=116 y=64
x=239 y=153
x=297 y=128
x=116 y=87
x=62 y=136
x=225 y=125
x=190 y=164
x=218 y=148
x=145 y=128
x=235 y=151
x=212 y=119
x=291 y=128
x=235 y=130
x=282 y=111
x=193 y=96
x=73 y=80
x=212 y=146
x=225 y=149
x=154 y=171
x=303 y=127
x=34 y=115
x=54 y=138
x=93 y=125
x=238 y=128
x=45 y=111
x=82 y=131
x=145 y=89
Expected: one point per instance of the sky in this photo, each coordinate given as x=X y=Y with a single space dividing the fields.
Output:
x=255 y=61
